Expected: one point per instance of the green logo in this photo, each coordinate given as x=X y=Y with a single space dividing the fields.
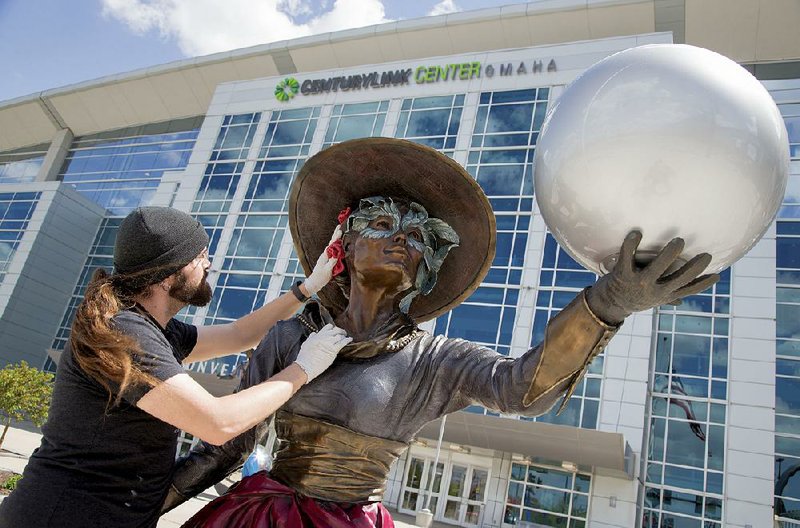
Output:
x=286 y=89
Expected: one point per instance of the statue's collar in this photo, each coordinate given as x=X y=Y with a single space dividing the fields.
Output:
x=389 y=338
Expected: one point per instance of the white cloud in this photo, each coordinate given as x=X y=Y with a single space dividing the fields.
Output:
x=201 y=27
x=444 y=7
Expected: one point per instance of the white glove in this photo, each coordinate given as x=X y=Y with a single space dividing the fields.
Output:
x=323 y=269
x=320 y=349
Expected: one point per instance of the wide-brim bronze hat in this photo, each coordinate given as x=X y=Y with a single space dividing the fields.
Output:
x=339 y=176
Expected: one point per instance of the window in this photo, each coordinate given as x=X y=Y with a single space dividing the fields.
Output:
x=561 y=278
x=22 y=165
x=787 y=332
x=15 y=212
x=261 y=222
x=688 y=395
x=501 y=160
x=431 y=121
x=120 y=170
x=350 y=121
x=546 y=496
x=110 y=169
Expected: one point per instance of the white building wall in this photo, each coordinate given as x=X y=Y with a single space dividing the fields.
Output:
x=749 y=468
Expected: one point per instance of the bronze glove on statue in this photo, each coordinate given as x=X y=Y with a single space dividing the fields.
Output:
x=629 y=288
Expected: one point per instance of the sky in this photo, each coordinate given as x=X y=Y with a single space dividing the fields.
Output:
x=47 y=44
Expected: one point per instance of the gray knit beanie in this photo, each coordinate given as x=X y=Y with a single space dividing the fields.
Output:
x=157 y=238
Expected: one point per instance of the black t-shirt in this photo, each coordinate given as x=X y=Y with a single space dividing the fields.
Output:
x=100 y=466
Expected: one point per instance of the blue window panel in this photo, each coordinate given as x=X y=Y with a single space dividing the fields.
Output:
x=291 y=132
x=793 y=128
x=788 y=321
x=269 y=187
x=684 y=447
x=719 y=366
x=512 y=297
x=510 y=118
x=355 y=127
x=506 y=140
x=788 y=228
x=788 y=252
x=514 y=96
x=475 y=323
x=237 y=279
x=574 y=279
x=570 y=416
x=235 y=303
x=455 y=121
x=503 y=156
x=428 y=123
x=507 y=326
x=487 y=295
x=787 y=395
x=683 y=478
x=433 y=102
x=501 y=180
x=787 y=367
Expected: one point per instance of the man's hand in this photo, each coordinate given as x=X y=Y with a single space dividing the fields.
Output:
x=323 y=269
x=629 y=288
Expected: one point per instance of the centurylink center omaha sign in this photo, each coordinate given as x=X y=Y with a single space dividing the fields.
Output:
x=290 y=87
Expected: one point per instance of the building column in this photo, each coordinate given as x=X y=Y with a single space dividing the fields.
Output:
x=56 y=154
x=623 y=409
x=749 y=466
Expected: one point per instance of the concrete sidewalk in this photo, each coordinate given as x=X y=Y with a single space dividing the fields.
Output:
x=22 y=439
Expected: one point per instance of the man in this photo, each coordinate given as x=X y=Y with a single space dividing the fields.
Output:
x=121 y=394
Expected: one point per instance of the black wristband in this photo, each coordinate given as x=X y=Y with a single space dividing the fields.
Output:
x=297 y=293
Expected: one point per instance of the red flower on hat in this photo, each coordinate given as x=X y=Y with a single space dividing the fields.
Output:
x=336 y=251
x=343 y=215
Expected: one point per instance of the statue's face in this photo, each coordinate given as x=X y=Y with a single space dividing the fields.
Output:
x=397 y=246
x=389 y=256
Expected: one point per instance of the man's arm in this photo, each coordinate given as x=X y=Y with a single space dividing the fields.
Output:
x=208 y=464
x=222 y=340
x=245 y=333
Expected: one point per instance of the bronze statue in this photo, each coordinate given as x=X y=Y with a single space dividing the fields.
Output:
x=419 y=240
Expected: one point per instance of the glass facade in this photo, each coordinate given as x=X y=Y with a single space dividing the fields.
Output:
x=431 y=121
x=688 y=394
x=15 y=212
x=500 y=157
x=787 y=338
x=357 y=120
x=252 y=253
x=21 y=165
x=546 y=497
x=120 y=170
x=560 y=280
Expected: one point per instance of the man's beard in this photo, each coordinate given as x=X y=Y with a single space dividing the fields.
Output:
x=199 y=295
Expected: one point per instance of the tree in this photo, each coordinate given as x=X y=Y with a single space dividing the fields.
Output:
x=25 y=394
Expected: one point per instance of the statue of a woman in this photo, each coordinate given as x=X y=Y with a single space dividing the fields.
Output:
x=418 y=241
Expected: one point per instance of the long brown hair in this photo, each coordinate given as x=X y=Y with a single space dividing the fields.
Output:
x=102 y=351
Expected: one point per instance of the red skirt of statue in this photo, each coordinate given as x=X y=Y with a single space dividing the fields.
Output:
x=260 y=502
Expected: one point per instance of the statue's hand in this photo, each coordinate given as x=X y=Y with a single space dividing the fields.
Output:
x=629 y=288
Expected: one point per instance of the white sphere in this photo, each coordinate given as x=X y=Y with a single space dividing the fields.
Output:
x=673 y=140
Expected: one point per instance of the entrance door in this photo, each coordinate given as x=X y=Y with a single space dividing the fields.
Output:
x=466 y=495
x=415 y=486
